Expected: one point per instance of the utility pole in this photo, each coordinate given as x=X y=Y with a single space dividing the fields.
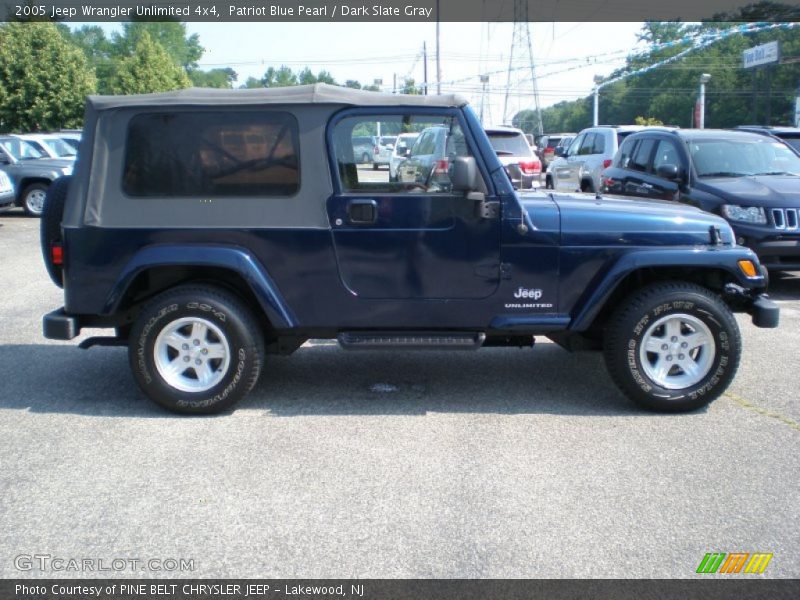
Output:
x=484 y=81
x=704 y=79
x=438 y=57
x=522 y=52
x=425 y=68
x=394 y=83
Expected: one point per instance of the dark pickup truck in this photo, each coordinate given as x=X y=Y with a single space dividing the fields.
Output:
x=211 y=228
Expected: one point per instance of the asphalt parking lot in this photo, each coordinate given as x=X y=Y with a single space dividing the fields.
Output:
x=504 y=463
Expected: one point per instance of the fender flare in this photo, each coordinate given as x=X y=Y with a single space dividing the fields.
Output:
x=723 y=259
x=232 y=258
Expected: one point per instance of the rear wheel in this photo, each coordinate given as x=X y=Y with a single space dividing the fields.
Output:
x=548 y=182
x=33 y=199
x=365 y=158
x=196 y=350
x=672 y=346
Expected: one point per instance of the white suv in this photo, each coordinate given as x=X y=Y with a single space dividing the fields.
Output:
x=579 y=168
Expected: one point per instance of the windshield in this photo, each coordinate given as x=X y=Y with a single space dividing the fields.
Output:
x=59 y=147
x=20 y=149
x=740 y=158
x=404 y=142
x=510 y=144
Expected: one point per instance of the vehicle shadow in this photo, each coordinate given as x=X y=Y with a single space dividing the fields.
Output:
x=784 y=285
x=322 y=379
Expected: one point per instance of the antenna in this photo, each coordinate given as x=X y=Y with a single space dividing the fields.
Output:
x=520 y=63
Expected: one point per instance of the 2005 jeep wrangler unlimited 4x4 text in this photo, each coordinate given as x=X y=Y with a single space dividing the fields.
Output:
x=211 y=228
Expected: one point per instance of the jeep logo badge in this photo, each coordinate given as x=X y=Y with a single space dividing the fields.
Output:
x=525 y=293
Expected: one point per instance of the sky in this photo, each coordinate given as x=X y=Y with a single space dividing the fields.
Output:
x=567 y=55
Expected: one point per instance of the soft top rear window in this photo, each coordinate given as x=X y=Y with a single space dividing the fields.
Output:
x=212 y=154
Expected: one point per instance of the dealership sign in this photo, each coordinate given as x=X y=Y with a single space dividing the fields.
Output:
x=761 y=55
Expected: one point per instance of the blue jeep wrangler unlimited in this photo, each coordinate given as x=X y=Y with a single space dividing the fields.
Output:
x=211 y=228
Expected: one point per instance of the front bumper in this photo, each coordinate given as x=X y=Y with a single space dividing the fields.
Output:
x=775 y=249
x=765 y=312
x=7 y=199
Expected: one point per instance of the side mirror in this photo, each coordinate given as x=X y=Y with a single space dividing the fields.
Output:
x=560 y=151
x=464 y=175
x=669 y=171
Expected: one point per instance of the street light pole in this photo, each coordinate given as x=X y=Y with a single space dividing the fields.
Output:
x=704 y=79
x=596 y=113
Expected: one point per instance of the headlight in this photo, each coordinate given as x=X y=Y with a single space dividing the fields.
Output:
x=745 y=214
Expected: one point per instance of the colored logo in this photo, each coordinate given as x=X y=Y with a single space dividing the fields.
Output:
x=735 y=562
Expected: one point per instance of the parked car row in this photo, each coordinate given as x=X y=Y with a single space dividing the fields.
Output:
x=417 y=156
x=29 y=163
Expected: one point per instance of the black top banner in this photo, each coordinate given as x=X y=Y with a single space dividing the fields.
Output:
x=399 y=10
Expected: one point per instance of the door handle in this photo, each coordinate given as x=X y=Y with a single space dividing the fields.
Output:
x=362 y=212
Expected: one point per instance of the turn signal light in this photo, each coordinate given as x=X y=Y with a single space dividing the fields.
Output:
x=748 y=268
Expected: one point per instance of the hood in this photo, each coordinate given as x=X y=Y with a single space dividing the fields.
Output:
x=49 y=163
x=769 y=191
x=616 y=221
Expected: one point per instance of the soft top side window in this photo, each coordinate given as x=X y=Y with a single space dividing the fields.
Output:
x=212 y=154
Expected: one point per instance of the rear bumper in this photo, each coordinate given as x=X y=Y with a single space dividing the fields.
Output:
x=58 y=325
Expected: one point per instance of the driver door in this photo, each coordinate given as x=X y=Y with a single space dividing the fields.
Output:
x=416 y=238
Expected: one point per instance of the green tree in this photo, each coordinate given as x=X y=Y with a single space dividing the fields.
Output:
x=410 y=87
x=44 y=80
x=148 y=69
x=184 y=50
x=282 y=77
x=215 y=78
x=352 y=83
x=99 y=52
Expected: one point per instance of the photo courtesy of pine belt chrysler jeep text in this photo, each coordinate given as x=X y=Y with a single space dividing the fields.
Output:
x=209 y=229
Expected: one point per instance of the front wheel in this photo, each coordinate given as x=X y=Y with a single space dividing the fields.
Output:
x=196 y=350
x=673 y=347
x=33 y=199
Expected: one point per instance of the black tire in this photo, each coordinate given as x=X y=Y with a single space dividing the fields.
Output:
x=50 y=226
x=31 y=193
x=365 y=158
x=628 y=328
x=587 y=187
x=211 y=305
x=548 y=183
x=375 y=166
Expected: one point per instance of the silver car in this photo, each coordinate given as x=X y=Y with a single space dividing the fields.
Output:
x=578 y=169
x=382 y=151
x=402 y=148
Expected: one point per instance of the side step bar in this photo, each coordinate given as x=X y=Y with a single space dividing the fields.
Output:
x=411 y=340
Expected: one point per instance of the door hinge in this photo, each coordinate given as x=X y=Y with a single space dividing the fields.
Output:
x=487 y=209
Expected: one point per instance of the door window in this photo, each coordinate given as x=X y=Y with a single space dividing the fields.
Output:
x=426 y=169
x=666 y=154
x=587 y=145
x=625 y=153
x=576 y=143
x=641 y=157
